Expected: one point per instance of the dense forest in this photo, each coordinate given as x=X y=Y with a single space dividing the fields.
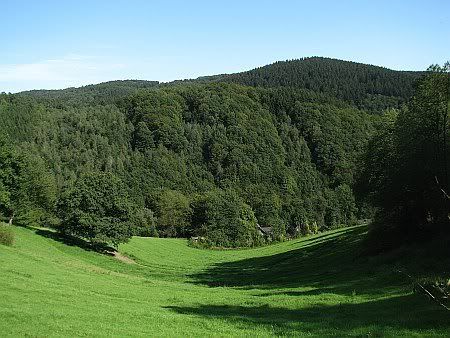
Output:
x=103 y=93
x=298 y=147
x=368 y=87
x=404 y=173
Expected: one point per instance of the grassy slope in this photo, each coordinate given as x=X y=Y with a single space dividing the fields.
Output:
x=315 y=286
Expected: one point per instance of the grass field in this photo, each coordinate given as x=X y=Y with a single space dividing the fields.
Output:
x=316 y=286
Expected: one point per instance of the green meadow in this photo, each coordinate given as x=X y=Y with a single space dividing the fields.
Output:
x=314 y=286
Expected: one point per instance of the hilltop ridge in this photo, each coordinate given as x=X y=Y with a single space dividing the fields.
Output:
x=369 y=87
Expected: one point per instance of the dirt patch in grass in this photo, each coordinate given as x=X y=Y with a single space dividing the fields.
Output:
x=122 y=258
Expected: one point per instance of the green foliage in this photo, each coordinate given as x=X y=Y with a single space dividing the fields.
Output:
x=406 y=165
x=103 y=93
x=96 y=208
x=6 y=235
x=143 y=222
x=290 y=152
x=27 y=188
x=368 y=87
x=10 y=167
x=225 y=220
x=341 y=207
x=173 y=213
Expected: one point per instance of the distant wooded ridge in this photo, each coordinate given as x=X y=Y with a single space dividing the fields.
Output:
x=368 y=86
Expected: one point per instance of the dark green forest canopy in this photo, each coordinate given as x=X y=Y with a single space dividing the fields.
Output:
x=405 y=168
x=103 y=93
x=368 y=87
x=286 y=155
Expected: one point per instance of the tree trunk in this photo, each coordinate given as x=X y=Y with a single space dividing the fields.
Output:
x=11 y=219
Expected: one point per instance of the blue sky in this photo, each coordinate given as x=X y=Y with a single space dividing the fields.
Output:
x=56 y=44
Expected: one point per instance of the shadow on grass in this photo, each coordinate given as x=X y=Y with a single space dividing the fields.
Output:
x=73 y=241
x=330 y=264
x=408 y=312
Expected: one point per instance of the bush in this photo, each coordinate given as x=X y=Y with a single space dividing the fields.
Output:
x=6 y=235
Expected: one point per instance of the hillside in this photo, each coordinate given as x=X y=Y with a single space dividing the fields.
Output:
x=102 y=93
x=290 y=148
x=316 y=284
x=288 y=156
x=369 y=87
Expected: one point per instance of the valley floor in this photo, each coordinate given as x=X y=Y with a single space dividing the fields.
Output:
x=315 y=286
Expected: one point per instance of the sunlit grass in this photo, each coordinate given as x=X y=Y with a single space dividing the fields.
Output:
x=314 y=286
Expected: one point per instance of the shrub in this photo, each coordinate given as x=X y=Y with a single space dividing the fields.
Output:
x=6 y=235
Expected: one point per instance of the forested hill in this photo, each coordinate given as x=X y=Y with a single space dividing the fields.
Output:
x=102 y=93
x=209 y=160
x=369 y=87
x=201 y=158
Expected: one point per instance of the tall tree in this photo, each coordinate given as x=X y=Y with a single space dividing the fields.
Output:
x=97 y=208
